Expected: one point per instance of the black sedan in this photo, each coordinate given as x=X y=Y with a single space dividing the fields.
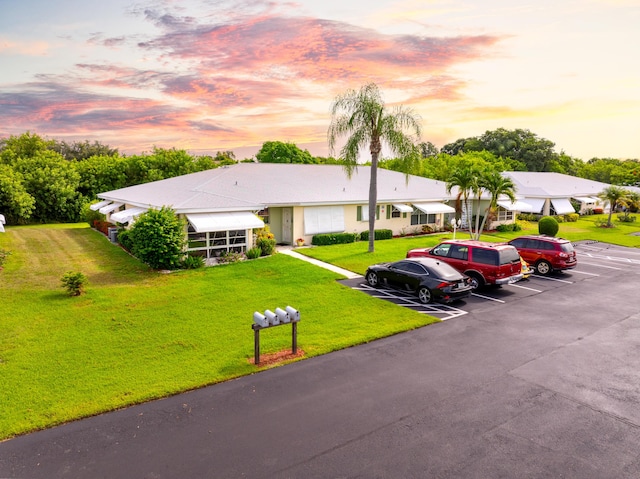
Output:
x=429 y=278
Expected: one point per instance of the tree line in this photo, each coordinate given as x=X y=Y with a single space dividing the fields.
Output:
x=44 y=180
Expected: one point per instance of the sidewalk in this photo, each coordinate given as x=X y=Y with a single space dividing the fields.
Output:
x=288 y=250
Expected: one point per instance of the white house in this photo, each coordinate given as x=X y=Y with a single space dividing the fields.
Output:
x=549 y=193
x=222 y=206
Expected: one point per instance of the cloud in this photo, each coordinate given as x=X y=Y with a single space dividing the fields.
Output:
x=34 y=48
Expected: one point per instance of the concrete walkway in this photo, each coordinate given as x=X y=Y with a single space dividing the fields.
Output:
x=288 y=250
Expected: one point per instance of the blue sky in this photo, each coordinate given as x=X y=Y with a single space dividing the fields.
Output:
x=229 y=75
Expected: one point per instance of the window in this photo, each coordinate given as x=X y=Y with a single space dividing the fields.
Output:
x=485 y=256
x=363 y=213
x=264 y=214
x=459 y=252
x=419 y=217
x=395 y=212
x=215 y=243
x=504 y=215
x=323 y=219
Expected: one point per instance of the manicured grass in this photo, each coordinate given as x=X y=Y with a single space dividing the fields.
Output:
x=138 y=334
x=355 y=256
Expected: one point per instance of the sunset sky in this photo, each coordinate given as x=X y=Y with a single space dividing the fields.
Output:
x=229 y=75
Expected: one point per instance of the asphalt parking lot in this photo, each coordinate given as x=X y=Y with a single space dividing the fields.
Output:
x=597 y=262
x=536 y=381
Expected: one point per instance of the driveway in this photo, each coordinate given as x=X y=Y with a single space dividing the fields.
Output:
x=543 y=383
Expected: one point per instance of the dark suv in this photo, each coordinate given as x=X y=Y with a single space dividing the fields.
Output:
x=484 y=262
x=546 y=253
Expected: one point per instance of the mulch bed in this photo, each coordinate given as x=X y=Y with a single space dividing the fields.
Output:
x=278 y=357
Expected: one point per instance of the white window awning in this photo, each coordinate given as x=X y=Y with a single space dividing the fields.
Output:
x=125 y=216
x=535 y=204
x=434 y=208
x=515 y=206
x=402 y=208
x=105 y=210
x=235 y=220
x=562 y=206
x=102 y=204
x=587 y=199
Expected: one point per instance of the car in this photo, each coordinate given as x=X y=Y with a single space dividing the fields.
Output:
x=430 y=279
x=546 y=253
x=484 y=262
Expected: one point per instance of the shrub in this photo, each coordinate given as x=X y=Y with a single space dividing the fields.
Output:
x=73 y=283
x=559 y=218
x=158 y=238
x=4 y=254
x=426 y=229
x=527 y=217
x=254 y=253
x=377 y=235
x=508 y=227
x=124 y=238
x=230 y=257
x=193 y=262
x=90 y=216
x=548 y=225
x=333 y=238
x=572 y=217
x=266 y=241
x=625 y=218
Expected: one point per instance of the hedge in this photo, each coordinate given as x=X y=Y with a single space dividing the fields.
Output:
x=333 y=238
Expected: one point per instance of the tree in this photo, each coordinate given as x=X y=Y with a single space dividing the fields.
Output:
x=465 y=178
x=497 y=185
x=613 y=195
x=158 y=238
x=427 y=149
x=82 y=150
x=364 y=117
x=16 y=204
x=280 y=152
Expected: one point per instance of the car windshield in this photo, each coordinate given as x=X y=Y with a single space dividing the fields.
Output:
x=509 y=255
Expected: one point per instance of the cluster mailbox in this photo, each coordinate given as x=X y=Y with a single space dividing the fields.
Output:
x=278 y=317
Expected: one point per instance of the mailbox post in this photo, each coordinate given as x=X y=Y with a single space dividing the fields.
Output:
x=272 y=319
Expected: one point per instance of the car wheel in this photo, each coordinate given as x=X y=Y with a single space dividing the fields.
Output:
x=372 y=279
x=543 y=268
x=476 y=281
x=424 y=295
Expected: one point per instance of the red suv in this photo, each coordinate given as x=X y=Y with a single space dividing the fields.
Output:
x=546 y=253
x=484 y=262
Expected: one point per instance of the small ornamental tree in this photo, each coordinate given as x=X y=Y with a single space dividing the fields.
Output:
x=548 y=225
x=73 y=282
x=158 y=238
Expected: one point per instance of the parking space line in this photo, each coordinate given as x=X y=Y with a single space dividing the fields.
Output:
x=487 y=297
x=584 y=272
x=525 y=287
x=601 y=266
x=553 y=279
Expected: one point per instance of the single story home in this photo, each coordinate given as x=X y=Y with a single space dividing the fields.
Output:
x=222 y=206
x=548 y=193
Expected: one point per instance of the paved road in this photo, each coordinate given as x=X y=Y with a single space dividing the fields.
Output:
x=543 y=384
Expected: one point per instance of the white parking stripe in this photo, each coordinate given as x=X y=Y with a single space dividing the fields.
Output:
x=524 y=287
x=600 y=266
x=553 y=279
x=584 y=272
x=487 y=297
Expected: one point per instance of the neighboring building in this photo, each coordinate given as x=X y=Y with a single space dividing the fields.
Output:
x=222 y=206
x=551 y=193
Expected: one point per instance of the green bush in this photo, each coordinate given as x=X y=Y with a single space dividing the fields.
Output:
x=230 y=257
x=572 y=217
x=193 y=262
x=548 y=225
x=91 y=216
x=158 y=238
x=508 y=227
x=528 y=217
x=624 y=218
x=73 y=283
x=559 y=218
x=124 y=238
x=254 y=253
x=333 y=238
x=266 y=241
x=377 y=235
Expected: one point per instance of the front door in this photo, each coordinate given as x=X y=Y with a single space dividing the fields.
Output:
x=287 y=225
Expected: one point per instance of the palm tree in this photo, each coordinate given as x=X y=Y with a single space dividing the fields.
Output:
x=364 y=117
x=466 y=180
x=614 y=195
x=497 y=185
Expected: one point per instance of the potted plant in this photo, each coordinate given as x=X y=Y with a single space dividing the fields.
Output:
x=300 y=241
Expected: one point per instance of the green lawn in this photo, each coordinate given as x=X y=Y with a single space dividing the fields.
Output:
x=137 y=334
x=355 y=256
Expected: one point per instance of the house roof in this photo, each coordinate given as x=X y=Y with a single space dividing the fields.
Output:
x=553 y=185
x=253 y=186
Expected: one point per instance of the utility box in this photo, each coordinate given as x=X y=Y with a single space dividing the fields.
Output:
x=112 y=233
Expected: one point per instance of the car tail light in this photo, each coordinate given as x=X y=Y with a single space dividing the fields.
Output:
x=563 y=255
x=444 y=284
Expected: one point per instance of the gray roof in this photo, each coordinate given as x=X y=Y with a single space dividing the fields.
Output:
x=253 y=186
x=553 y=185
